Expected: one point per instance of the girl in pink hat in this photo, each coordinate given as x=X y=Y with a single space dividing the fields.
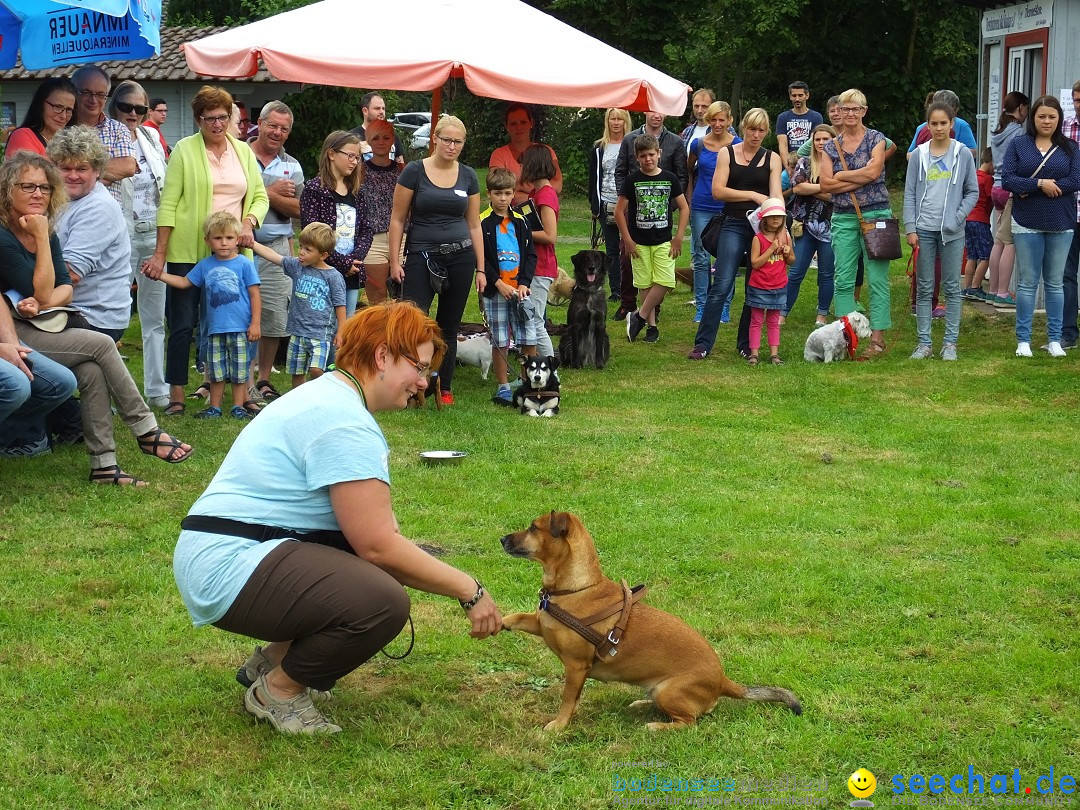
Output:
x=770 y=255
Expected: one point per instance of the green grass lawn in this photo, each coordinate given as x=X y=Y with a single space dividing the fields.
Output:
x=897 y=542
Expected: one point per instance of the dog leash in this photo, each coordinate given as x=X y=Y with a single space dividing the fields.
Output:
x=605 y=646
x=491 y=335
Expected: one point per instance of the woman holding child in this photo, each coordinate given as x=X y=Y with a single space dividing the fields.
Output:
x=316 y=564
x=856 y=166
x=440 y=198
x=208 y=172
x=334 y=198
x=32 y=264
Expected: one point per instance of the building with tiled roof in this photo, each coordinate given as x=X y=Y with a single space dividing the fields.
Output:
x=166 y=76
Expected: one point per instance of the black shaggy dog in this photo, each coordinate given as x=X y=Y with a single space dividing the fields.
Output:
x=585 y=342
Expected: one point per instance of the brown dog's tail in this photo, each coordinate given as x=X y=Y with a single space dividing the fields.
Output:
x=764 y=694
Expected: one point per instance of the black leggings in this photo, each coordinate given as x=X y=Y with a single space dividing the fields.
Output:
x=337 y=609
x=461 y=267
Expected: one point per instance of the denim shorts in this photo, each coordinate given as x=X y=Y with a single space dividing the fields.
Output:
x=978 y=241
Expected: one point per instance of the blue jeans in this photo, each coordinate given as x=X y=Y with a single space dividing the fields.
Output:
x=25 y=403
x=733 y=249
x=1069 y=331
x=1040 y=255
x=703 y=277
x=612 y=243
x=930 y=248
x=805 y=248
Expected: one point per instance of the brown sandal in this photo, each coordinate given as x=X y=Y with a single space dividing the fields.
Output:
x=752 y=360
x=115 y=476
x=156 y=439
x=873 y=351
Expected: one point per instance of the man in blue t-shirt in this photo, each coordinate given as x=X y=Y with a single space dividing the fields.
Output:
x=793 y=127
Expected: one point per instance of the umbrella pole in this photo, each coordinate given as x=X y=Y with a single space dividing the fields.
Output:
x=436 y=109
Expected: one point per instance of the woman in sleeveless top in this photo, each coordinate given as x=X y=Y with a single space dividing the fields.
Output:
x=864 y=154
x=746 y=175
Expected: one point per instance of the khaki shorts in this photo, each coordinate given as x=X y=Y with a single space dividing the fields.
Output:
x=379 y=252
x=1004 y=233
x=275 y=290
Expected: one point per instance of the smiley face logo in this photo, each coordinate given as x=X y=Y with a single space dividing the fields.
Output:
x=862 y=784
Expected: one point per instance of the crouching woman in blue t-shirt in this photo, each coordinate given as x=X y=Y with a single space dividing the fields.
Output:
x=311 y=558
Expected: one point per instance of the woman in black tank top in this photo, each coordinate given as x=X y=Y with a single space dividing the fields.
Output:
x=746 y=175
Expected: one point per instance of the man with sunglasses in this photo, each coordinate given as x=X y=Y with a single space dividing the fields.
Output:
x=93 y=87
x=283 y=178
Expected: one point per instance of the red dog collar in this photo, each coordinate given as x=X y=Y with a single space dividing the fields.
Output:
x=851 y=337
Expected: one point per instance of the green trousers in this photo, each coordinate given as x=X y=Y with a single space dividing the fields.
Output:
x=847 y=246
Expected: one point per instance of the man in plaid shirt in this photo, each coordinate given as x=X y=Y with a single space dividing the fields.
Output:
x=1069 y=332
x=93 y=85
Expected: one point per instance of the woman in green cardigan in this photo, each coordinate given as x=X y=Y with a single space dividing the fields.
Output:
x=209 y=171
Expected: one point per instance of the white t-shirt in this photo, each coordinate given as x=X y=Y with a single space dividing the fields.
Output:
x=608 y=192
x=700 y=131
x=145 y=195
x=277 y=473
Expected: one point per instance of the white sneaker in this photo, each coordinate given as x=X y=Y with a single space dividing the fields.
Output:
x=1023 y=350
x=1055 y=350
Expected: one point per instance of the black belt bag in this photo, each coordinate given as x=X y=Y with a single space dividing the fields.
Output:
x=262 y=533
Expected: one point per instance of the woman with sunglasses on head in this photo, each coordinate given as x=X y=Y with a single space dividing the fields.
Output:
x=140 y=196
x=209 y=171
x=334 y=198
x=440 y=198
x=316 y=563
x=51 y=109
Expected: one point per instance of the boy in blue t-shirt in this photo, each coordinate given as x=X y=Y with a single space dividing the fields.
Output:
x=317 y=308
x=509 y=266
x=233 y=310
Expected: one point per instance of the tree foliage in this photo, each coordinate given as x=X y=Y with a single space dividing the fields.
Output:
x=748 y=51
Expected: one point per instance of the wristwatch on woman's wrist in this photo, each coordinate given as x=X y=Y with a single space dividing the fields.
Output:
x=467 y=606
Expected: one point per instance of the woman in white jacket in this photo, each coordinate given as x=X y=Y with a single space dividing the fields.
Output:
x=141 y=195
x=940 y=191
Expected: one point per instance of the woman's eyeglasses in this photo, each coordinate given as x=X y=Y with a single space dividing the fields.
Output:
x=214 y=119
x=60 y=108
x=30 y=188
x=458 y=142
x=352 y=157
x=422 y=369
x=138 y=109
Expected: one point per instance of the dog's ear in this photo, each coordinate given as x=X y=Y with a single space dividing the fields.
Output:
x=578 y=258
x=553 y=362
x=559 y=524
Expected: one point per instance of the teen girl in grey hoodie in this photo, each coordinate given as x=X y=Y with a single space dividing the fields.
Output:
x=940 y=191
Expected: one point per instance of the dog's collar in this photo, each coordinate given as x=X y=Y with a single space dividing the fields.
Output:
x=604 y=646
x=850 y=336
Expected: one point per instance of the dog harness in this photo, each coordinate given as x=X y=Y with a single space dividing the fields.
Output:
x=605 y=646
x=850 y=336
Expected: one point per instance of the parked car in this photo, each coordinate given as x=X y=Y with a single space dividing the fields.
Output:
x=421 y=137
x=411 y=121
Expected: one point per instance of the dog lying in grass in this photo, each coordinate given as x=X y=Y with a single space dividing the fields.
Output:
x=539 y=392
x=658 y=651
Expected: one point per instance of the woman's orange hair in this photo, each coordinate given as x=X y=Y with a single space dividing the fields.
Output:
x=400 y=325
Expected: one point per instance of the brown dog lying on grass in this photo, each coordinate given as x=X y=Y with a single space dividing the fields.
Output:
x=675 y=664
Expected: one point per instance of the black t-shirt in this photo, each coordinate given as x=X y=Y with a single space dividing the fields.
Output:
x=650 y=199
x=345 y=230
x=438 y=214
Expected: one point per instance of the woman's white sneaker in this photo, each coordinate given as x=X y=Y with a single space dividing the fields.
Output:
x=1055 y=350
x=1023 y=349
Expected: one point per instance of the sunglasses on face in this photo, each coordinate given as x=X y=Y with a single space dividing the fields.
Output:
x=138 y=109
